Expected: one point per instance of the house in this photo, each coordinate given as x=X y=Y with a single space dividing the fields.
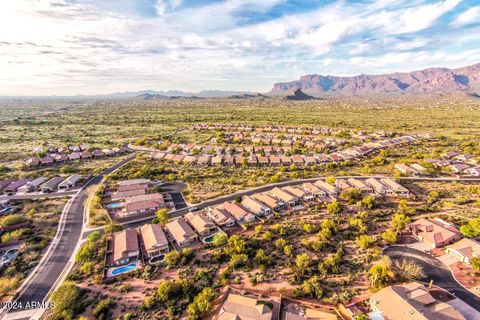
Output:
x=314 y=190
x=257 y=207
x=465 y=157
x=263 y=161
x=46 y=161
x=475 y=172
x=241 y=307
x=178 y=158
x=5 y=183
x=122 y=195
x=403 y=168
x=124 y=183
x=108 y=152
x=142 y=204
x=61 y=158
x=190 y=159
x=181 y=232
x=271 y=202
x=342 y=184
x=395 y=187
x=86 y=155
x=459 y=167
x=204 y=227
x=436 y=233
x=70 y=182
x=239 y=213
x=32 y=162
x=203 y=160
x=286 y=160
x=123 y=248
x=286 y=197
x=51 y=185
x=13 y=186
x=98 y=153
x=217 y=161
x=221 y=217
x=32 y=185
x=154 y=242
x=411 y=301
x=229 y=161
x=298 y=160
x=360 y=186
x=74 y=156
x=299 y=193
x=310 y=160
x=376 y=185
x=274 y=160
x=449 y=155
x=327 y=187
x=419 y=168
x=465 y=250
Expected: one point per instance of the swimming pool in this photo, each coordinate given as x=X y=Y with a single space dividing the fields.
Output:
x=124 y=269
x=114 y=205
x=9 y=256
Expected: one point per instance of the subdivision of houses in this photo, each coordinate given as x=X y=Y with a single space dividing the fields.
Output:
x=327 y=187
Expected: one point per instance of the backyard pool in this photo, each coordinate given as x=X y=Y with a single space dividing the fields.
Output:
x=208 y=239
x=124 y=269
x=114 y=205
x=9 y=256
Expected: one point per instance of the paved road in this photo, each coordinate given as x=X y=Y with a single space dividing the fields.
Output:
x=436 y=271
x=51 y=269
x=28 y=196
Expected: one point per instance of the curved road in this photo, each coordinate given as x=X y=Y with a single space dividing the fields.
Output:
x=51 y=268
x=434 y=270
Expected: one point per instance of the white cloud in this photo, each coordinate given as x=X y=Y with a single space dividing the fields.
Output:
x=421 y=17
x=469 y=16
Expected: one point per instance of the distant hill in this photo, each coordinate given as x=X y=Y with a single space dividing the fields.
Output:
x=298 y=94
x=248 y=96
x=429 y=82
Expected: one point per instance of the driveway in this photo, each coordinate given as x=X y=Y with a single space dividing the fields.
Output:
x=436 y=271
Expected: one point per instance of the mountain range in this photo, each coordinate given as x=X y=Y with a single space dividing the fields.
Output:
x=428 y=82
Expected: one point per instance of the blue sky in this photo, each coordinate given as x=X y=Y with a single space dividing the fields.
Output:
x=68 y=47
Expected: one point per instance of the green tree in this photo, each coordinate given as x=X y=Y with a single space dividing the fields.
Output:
x=172 y=259
x=312 y=288
x=364 y=241
x=405 y=208
x=476 y=263
x=378 y=275
x=163 y=216
x=331 y=180
x=202 y=304
x=399 y=221
x=390 y=236
x=334 y=207
x=368 y=202
x=303 y=262
x=67 y=300
x=471 y=229
x=236 y=244
x=219 y=239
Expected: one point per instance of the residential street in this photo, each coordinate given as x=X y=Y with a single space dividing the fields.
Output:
x=436 y=271
x=51 y=269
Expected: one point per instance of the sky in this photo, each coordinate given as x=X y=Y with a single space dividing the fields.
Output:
x=68 y=47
